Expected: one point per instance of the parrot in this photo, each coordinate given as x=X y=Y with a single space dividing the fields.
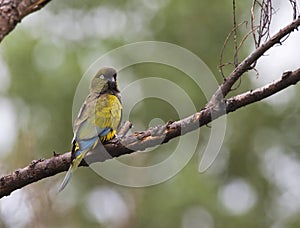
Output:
x=98 y=119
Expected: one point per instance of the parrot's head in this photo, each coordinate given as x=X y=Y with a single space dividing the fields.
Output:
x=105 y=80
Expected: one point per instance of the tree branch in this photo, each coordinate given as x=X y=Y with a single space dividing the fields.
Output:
x=246 y=64
x=13 y=11
x=287 y=79
x=138 y=141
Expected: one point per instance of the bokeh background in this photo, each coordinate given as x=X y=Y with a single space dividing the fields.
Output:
x=254 y=181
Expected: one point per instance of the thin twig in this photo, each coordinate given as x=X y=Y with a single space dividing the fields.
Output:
x=221 y=64
x=235 y=57
x=124 y=129
x=294 y=8
x=247 y=63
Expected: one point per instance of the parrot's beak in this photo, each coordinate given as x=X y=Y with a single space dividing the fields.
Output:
x=112 y=83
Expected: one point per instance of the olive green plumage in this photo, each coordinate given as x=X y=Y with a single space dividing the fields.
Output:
x=98 y=118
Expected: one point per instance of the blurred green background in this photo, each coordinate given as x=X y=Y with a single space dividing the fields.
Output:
x=254 y=181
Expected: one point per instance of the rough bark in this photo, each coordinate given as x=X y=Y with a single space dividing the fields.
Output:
x=13 y=11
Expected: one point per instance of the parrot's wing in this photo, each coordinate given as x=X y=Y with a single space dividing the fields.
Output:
x=88 y=130
x=84 y=125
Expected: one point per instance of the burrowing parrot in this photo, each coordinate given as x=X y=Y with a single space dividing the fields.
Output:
x=98 y=118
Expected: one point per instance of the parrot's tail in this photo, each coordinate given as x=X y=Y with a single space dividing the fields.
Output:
x=66 y=179
x=73 y=167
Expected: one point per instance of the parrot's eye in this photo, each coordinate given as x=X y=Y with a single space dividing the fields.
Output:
x=101 y=76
